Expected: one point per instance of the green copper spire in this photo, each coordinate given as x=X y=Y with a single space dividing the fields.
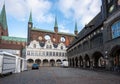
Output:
x=30 y=18
x=56 y=25
x=76 y=27
x=3 y=19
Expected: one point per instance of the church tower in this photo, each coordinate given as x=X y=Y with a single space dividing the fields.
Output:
x=3 y=22
x=30 y=26
x=56 y=26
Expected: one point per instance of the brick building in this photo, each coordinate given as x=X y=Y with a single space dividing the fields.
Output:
x=10 y=44
x=46 y=47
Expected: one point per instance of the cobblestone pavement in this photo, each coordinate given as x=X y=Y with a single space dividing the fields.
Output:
x=55 y=75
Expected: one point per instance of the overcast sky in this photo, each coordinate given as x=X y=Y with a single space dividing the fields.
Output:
x=44 y=12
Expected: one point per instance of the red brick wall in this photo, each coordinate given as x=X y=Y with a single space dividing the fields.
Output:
x=34 y=35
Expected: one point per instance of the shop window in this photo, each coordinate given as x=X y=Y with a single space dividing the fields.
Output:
x=115 y=29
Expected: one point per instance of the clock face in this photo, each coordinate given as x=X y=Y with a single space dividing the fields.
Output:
x=62 y=39
x=54 y=39
x=111 y=8
x=29 y=25
x=47 y=37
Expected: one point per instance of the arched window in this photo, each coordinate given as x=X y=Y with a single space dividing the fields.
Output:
x=115 y=28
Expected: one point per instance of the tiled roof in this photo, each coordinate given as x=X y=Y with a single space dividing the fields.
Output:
x=66 y=33
x=8 y=38
x=63 y=33
x=42 y=30
x=96 y=22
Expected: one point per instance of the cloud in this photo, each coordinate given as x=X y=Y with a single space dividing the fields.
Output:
x=82 y=11
x=41 y=10
x=20 y=9
x=16 y=8
x=62 y=28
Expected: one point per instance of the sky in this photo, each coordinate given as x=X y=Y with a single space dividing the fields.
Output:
x=44 y=11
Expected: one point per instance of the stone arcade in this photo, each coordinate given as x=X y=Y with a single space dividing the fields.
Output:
x=98 y=44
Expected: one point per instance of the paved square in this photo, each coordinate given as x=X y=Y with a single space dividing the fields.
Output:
x=56 y=75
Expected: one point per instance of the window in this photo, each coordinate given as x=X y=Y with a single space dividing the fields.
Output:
x=1 y=33
x=28 y=53
x=43 y=53
x=36 y=54
x=47 y=37
x=50 y=46
x=53 y=53
x=61 y=47
x=46 y=53
x=50 y=53
x=59 y=53
x=47 y=46
x=116 y=30
x=62 y=54
x=111 y=8
x=39 y=53
x=65 y=54
x=56 y=53
x=62 y=39
x=32 y=53
x=34 y=46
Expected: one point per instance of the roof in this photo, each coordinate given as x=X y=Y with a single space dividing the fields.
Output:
x=76 y=26
x=62 y=33
x=30 y=17
x=96 y=22
x=66 y=33
x=3 y=19
x=8 y=38
x=42 y=30
x=56 y=25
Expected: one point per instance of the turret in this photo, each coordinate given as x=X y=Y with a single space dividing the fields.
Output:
x=56 y=26
x=3 y=21
x=30 y=26
x=76 y=30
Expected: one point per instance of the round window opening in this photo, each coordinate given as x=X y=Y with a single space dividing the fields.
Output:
x=62 y=39
x=47 y=37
